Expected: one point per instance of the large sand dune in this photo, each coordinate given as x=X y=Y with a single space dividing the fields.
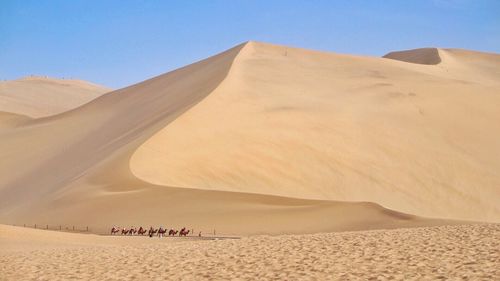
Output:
x=422 y=139
x=42 y=96
x=267 y=139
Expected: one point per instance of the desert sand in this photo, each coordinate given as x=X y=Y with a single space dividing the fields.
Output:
x=462 y=252
x=327 y=166
x=267 y=139
x=37 y=96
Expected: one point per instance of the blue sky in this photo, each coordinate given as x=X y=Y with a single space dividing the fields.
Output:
x=118 y=43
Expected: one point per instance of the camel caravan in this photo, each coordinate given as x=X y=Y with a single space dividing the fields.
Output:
x=160 y=232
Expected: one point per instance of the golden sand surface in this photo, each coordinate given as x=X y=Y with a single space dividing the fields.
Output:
x=460 y=252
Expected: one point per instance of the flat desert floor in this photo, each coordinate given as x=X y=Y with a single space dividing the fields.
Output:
x=460 y=252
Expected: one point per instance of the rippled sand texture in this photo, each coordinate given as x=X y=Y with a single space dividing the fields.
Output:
x=467 y=252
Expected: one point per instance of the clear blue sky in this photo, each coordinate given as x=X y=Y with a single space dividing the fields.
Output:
x=118 y=43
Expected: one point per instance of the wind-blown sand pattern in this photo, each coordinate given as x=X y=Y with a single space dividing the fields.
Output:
x=462 y=252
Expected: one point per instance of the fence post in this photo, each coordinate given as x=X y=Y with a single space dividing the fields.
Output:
x=87 y=229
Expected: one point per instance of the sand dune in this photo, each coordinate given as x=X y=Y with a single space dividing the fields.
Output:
x=266 y=139
x=41 y=96
x=429 y=56
x=416 y=138
x=465 y=252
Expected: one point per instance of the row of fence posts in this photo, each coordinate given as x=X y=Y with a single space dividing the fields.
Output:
x=60 y=227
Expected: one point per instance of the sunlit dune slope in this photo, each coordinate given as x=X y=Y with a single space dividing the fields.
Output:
x=40 y=96
x=417 y=138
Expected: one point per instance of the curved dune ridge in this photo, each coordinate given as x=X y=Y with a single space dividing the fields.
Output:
x=37 y=96
x=263 y=139
x=429 y=56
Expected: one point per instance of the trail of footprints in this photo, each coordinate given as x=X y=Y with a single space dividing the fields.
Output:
x=467 y=252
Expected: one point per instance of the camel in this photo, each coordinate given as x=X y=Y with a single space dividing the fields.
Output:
x=184 y=232
x=115 y=230
x=132 y=231
x=141 y=231
x=152 y=231
x=125 y=231
x=161 y=232
x=172 y=232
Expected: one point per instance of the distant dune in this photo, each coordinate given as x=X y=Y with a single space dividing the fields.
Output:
x=268 y=139
x=429 y=56
x=41 y=96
